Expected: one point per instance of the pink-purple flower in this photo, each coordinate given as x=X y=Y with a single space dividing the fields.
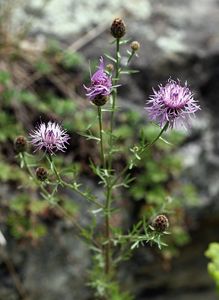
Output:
x=101 y=83
x=49 y=137
x=173 y=103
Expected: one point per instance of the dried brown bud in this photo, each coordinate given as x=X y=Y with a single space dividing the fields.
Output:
x=41 y=174
x=20 y=144
x=118 y=28
x=135 y=46
x=100 y=100
x=160 y=223
x=109 y=67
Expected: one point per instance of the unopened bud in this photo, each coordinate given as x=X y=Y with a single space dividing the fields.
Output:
x=41 y=174
x=20 y=144
x=100 y=100
x=135 y=46
x=160 y=223
x=118 y=28
x=109 y=67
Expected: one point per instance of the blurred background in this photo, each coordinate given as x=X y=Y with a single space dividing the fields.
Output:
x=46 y=50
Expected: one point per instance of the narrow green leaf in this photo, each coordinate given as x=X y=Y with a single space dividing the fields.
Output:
x=110 y=57
x=123 y=42
x=129 y=72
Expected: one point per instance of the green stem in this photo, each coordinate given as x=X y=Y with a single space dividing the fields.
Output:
x=60 y=180
x=61 y=209
x=157 y=137
x=142 y=151
x=23 y=158
x=107 y=231
x=53 y=168
x=83 y=194
x=32 y=175
x=101 y=137
x=114 y=96
x=130 y=57
x=107 y=247
x=71 y=186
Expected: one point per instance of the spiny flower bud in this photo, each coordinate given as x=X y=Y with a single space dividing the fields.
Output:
x=41 y=174
x=100 y=100
x=118 y=28
x=20 y=144
x=160 y=223
x=135 y=46
x=109 y=67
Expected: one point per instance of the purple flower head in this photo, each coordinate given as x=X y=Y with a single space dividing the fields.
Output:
x=50 y=137
x=172 y=103
x=101 y=83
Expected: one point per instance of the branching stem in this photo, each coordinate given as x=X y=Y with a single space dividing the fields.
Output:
x=47 y=194
x=101 y=137
x=141 y=152
x=73 y=187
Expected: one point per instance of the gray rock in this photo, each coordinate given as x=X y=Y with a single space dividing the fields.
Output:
x=57 y=268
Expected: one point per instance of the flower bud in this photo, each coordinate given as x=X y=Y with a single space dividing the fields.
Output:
x=41 y=174
x=20 y=144
x=118 y=28
x=109 y=67
x=135 y=46
x=100 y=100
x=160 y=223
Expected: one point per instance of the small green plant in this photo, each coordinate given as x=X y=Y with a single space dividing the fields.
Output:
x=71 y=60
x=213 y=267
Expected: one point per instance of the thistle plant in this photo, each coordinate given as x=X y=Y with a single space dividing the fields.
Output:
x=170 y=106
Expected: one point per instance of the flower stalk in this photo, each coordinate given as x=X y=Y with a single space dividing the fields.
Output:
x=114 y=96
x=138 y=153
x=48 y=195
x=99 y=109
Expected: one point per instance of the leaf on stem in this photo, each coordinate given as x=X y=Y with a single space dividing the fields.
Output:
x=129 y=72
x=165 y=141
x=123 y=42
x=110 y=57
x=90 y=136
